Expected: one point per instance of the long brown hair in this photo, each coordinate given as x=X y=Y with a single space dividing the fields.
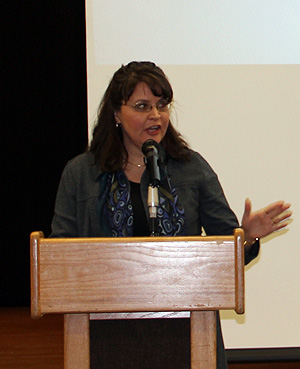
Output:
x=107 y=143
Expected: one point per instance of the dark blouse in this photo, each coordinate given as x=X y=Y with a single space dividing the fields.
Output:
x=140 y=224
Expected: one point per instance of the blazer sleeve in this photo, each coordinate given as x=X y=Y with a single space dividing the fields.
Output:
x=64 y=223
x=216 y=215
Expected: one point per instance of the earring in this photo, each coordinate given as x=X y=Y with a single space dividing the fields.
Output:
x=118 y=125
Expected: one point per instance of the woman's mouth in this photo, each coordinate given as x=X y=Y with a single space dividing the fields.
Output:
x=153 y=129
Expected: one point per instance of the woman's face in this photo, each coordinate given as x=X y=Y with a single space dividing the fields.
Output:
x=139 y=125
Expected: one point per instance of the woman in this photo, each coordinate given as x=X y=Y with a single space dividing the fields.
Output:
x=103 y=192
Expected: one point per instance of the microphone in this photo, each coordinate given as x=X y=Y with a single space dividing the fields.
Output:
x=153 y=158
x=152 y=151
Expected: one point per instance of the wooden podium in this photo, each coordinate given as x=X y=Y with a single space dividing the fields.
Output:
x=120 y=278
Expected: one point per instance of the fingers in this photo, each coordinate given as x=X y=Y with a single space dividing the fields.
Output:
x=278 y=226
x=273 y=207
x=279 y=214
x=273 y=210
x=248 y=207
x=283 y=216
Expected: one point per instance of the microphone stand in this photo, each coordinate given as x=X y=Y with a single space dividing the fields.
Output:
x=152 y=206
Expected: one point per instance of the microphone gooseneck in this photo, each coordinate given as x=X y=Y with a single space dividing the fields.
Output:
x=152 y=151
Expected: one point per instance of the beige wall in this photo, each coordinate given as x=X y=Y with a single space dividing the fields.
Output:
x=245 y=120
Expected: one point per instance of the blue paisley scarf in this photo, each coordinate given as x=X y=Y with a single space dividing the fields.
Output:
x=119 y=212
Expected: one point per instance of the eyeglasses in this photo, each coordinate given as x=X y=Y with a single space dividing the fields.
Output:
x=146 y=107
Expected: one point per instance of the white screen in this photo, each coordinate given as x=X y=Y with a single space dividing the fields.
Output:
x=197 y=32
x=234 y=68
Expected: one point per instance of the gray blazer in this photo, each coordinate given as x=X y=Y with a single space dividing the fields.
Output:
x=79 y=205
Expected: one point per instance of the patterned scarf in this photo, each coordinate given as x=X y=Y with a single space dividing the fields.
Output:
x=118 y=209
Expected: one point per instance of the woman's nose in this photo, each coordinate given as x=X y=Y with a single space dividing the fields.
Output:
x=154 y=112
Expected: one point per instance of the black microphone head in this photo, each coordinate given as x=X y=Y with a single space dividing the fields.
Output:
x=149 y=145
x=153 y=159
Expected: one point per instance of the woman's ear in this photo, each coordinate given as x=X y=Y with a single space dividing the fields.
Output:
x=117 y=119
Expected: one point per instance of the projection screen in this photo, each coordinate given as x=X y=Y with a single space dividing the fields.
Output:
x=234 y=68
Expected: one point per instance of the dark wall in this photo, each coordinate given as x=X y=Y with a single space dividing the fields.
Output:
x=44 y=124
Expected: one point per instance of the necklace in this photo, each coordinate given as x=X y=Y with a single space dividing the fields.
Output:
x=136 y=165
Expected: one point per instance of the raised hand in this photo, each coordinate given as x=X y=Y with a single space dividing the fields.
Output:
x=266 y=220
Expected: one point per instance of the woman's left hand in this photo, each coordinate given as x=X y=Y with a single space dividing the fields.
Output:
x=264 y=221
